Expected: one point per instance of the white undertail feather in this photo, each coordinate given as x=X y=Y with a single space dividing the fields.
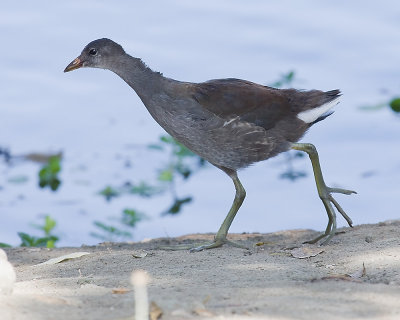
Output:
x=311 y=115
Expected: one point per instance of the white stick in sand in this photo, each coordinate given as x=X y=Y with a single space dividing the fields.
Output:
x=139 y=279
x=7 y=275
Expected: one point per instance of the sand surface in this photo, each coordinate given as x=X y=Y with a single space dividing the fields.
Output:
x=265 y=282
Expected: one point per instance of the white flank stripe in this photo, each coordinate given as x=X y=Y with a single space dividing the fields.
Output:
x=229 y=121
x=311 y=115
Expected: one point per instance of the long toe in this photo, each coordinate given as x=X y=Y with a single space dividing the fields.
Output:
x=218 y=243
x=341 y=211
x=214 y=244
x=342 y=191
x=315 y=240
x=327 y=236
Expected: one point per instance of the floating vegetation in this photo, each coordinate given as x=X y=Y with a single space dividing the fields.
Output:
x=48 y=174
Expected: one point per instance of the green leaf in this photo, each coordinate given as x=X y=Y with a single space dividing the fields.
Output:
x=50 y=244
x=183 y=170
x=289 y=77
x=395 y=104
x=131 y=217
x=109 y=193
x=112 y=231
x=27 y=240
x=166 y=175
x=99 y=236
x=109 y=232
x=178 y=148
x=32 y=241
x=177 y=206
x=49 y=225
x=167 y=139
x=54 y=184
x=50 y=241
x=40 y=242
x=145 y=190
x=5 y=245
x=181 y=151
x=285 y=80
x=48 y=174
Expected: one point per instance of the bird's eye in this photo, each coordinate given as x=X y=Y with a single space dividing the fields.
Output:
x=92 y=52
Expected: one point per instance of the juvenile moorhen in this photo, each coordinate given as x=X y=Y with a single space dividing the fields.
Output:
x=231 y=123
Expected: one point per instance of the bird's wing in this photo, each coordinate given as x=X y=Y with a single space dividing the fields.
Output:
x=261 y=105
x=248 y=101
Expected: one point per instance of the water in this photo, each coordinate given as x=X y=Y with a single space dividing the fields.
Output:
x=95 y=119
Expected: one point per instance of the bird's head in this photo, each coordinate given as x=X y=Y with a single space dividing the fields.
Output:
x=97 y=54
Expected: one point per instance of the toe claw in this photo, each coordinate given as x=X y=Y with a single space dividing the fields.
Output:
x=197 y=249
x=340 y=190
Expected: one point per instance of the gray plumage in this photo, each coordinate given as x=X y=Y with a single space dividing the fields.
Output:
x=231 y=123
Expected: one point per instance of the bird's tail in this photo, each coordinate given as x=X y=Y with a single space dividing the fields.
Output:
x=323 y=103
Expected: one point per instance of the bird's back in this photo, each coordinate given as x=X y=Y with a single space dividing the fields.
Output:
x=234 y=123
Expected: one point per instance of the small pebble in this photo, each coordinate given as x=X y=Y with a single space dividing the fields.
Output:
x=368 y=239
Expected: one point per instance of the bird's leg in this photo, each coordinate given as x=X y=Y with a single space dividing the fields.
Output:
x=325 y=193
x=220 y=237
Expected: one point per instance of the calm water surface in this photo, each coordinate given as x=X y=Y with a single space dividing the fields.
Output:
x=98 y=121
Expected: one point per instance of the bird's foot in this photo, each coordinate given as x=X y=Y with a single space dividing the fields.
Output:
x=202 y=246
x=217 y=243
x=176 y=247
x=328 y=200
x=328 y=236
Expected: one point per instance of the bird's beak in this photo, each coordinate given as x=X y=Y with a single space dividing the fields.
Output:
x=76 y=64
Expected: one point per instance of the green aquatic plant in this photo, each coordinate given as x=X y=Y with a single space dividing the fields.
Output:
x=181 y=164
x=48 y=174
x=393 y=104
x=129 y=218
x=48 y=240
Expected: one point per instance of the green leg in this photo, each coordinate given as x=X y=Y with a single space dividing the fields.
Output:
x=325 y=193
x=220 y=237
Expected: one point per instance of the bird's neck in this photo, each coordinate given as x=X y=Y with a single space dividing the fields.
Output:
x=138 y=76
